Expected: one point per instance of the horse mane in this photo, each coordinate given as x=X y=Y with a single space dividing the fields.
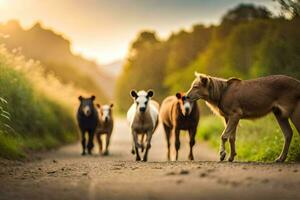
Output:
x=216 y=88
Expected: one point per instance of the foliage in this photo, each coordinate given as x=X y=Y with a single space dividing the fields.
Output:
x=145 y=63
x=259 y=140
x=4 y=117
x=53 y=50
x=244 y=13
x=248 y=43
x=290 y=7
x=37 y=109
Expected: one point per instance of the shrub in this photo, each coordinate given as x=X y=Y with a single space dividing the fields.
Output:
x=36 y=110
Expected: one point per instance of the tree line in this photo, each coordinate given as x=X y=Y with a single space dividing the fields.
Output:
x=249 y=42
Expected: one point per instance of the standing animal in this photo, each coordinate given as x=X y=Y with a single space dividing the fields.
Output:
x=179 y=113
x=105 y=126
x=143 y=119
x=236 y=99
x=87 y=117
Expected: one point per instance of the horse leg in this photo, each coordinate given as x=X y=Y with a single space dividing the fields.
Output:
x=232 y=146
x=177 y=141
x=230 y=129
x=136 y=145
x=106 y=152
x=142 y=142
x=295 y=118
x=90 y=141
x=168 y=134
x=98 y=136
x=192 y=134
x=148 y=146
x=287 y=133
x=83 y=142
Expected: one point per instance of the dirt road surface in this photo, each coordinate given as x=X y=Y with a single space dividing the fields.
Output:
x=65 y=174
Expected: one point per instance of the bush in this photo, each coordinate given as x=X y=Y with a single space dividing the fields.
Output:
x=36 y=111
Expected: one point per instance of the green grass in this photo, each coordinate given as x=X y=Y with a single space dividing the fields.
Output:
x=36 y=119
x=257 y=140
x=10 y=147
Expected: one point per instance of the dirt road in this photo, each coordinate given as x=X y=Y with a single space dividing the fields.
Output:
x=65 y=174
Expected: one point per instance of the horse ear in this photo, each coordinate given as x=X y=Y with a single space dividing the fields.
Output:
x=204 y=80
x=150 y=93
x=80 y=98
x=197 y=74
x=178 y=95
x=93 y=97
x=98 y=105
x=133 y=94
x=111 y=105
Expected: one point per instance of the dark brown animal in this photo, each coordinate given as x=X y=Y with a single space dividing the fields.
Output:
x=87 y=118
x=105 y=126
x=179 y=113
x=236 y=99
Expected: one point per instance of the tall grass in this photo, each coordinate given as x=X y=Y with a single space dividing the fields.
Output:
x=257 y=140
x=37 y=109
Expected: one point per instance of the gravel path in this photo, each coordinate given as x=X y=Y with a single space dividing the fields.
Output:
x=65 y=174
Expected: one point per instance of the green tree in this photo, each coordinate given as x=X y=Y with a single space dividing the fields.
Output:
x=144 y=69
x=246 y=12
x=290 y=7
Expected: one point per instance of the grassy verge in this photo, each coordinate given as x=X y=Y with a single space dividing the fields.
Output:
x=258 y=140
x=37 y=111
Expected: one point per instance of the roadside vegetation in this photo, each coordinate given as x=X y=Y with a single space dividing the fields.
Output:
x=36 y=110
x=53 y=51
x=257 y=140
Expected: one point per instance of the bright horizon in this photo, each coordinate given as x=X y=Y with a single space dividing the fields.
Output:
x=102 y=31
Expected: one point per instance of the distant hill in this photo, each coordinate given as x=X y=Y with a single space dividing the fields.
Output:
x=113 y=68
x=53 y=50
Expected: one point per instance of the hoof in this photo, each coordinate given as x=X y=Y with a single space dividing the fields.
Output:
x=83 y=153
x=222 y=155
x=90 y=152
x=191 y=157
x=132 y=151
x=106 y=153
x=279 y=160
x=145 y=159
x=230 y=159
x=137 y=159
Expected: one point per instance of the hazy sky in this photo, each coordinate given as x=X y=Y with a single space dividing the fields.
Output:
x=103 y=29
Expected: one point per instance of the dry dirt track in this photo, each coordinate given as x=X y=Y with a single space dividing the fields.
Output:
x=64 y=174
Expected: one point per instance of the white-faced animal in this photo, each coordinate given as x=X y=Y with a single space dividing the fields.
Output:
x=143 y=119
x=87 y=117
x=179 y=113
x=105 y=126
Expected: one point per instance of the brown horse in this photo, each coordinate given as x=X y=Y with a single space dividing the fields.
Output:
x=179 y=113
x=236 y=99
